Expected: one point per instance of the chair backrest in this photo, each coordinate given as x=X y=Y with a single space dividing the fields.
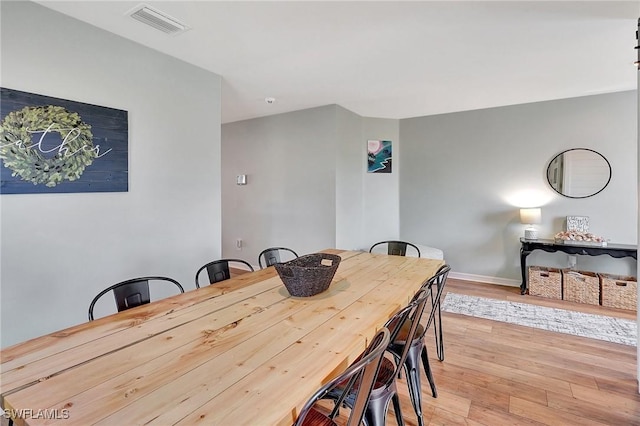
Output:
x=435 y=285
x=364 y=371
x=218 y=270
x=131 y=293
x=440 y=278
x=271 y=256
x=396 y=248
x=411 y=314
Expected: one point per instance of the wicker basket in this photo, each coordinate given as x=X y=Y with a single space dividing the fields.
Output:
x=581 y=287
x=308 y=275
x=545 y=282
x=619 y=292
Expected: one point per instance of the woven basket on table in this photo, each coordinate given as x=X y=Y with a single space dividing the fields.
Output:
x=545 y=282
x=619 y=292
x=308 y=275
x=581 y=287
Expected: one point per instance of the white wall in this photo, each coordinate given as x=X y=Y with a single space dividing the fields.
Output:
x=289 y=199
x=381 y=191
x=59 y=250
x=308 y=188
x=462 y=173
x=351 y=165
x=455 y=177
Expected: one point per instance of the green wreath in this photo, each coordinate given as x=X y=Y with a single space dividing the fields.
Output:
x=25 y=158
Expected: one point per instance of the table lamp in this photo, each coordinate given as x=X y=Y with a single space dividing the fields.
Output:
x=530 y=217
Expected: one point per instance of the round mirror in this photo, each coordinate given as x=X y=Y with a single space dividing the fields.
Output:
x=579 y=173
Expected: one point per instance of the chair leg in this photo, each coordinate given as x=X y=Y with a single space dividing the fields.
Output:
x=398 y=411
x=414 y=377
x=437 y=328
x=376 y=414
x=427 y=370
x=412 y=373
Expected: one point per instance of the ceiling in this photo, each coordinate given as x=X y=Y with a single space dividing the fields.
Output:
x=389 y=59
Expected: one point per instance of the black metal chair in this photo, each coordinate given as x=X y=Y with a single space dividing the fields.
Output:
x=218 y=270
x=131 y=293
x=396 y=248
x=271 y=256
x=416 y=348
x=385 y=390
x=363 y=372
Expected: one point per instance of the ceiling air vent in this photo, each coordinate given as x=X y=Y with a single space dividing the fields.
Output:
x=158 y=20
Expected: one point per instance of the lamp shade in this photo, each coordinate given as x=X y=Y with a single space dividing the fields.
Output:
x=530 y=216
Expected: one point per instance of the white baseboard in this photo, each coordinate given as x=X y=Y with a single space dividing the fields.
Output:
x=484 y=279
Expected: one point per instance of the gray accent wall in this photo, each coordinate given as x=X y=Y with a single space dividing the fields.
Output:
x=463 y=175
x=60 y=250
x=381 y=191
x=351 y=165
x=307 y=186
x=456 y=185
x=290 y=196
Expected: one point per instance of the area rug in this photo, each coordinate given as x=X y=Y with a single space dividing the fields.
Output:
x=600 y=327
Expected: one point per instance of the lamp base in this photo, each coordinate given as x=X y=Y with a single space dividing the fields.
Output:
x=530 y=234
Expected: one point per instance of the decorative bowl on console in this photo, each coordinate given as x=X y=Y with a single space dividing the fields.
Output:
x=579 y=238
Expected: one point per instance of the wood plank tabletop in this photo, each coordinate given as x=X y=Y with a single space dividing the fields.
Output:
x=242 y=351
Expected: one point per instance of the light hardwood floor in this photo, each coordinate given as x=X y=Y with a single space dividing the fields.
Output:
x=501 y=374
x=497 y=374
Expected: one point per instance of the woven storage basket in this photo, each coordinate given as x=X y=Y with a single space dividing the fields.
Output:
x=581 y=287
x=545 y=282
x=619 y=292
x=308 y=275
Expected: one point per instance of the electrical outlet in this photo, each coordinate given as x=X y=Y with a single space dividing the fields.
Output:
x=239 y=244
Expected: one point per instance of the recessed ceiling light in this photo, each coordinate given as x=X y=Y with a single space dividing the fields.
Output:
x=270 y=100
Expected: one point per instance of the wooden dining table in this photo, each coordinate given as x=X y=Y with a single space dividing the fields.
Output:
x=240 y=352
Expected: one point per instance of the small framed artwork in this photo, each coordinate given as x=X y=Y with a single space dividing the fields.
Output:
x=578 y=223
x=379 y=156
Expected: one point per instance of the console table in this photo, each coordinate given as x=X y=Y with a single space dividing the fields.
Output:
x=613 y=250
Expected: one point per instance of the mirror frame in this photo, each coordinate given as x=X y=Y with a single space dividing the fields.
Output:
x=579 y=149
